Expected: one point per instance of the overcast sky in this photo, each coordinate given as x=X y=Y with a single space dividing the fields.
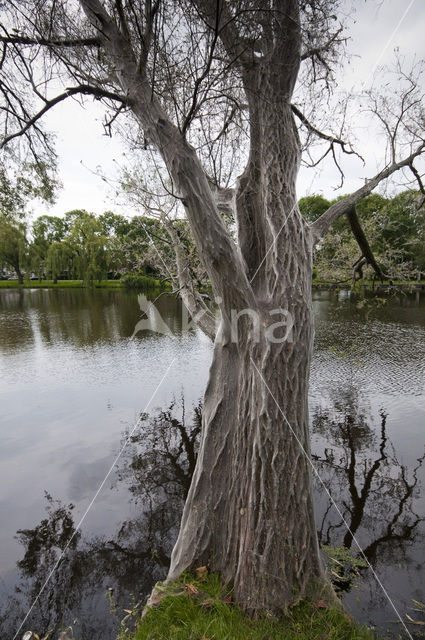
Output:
x=380 y=27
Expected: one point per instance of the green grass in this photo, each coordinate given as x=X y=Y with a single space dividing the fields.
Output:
x=33 y=284
x=183 y=614
x=143 y=281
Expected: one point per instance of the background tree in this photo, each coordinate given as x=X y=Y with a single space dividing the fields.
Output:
x=87 y=246
x=46 y=230
x=21 y=182
x=58 y=259
x=202 y=80
x=395 y=230
x=13 y=247
x=312 y=207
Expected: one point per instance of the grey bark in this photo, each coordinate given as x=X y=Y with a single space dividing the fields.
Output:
x=249 y=512
x=194 y=302
x=360 y=236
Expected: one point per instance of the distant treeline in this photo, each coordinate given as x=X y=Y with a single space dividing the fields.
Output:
x=84 y=246
x=89 y=247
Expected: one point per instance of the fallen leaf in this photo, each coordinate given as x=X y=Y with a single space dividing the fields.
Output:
x=128 y=611
x=321 y=604
x=191 y=588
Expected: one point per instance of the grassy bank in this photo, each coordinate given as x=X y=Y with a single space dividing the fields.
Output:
x=201 y=610
x=142 y=282
x=370 y=285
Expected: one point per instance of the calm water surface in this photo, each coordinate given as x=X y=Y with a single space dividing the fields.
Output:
x=73 y=384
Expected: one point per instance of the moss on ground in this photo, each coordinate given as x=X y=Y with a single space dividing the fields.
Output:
x=193 y=609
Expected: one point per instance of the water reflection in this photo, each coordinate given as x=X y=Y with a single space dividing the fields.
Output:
x=376 y=493
x=80 y=317
x=73 y=377
x=357 y=463
x=156 y=469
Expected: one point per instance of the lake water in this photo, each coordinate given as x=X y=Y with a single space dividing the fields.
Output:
x=72 y=386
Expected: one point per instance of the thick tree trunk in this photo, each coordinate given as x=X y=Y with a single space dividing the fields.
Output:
x=249 y=513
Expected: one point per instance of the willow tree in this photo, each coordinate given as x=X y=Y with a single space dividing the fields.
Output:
x=199 y=79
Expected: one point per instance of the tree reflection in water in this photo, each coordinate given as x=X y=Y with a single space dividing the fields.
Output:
x=358 y=466
x=375 y=493
x=156 y=467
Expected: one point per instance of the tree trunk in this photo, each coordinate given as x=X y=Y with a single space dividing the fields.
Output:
x=19 y=274
x=249 y=513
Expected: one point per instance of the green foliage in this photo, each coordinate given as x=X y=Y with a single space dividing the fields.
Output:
x=20 y=183
x=402 y=225
x=312 y=207
x=13 y=246
x=84 y=246
x=140 y=281
x=371 y=206
x=395 y=229
x=193 y=609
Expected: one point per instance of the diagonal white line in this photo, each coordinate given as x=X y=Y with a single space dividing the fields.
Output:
x=331 y=499
x=390 y=39
x=139 y=420
x=154 y=246
x=273 y=243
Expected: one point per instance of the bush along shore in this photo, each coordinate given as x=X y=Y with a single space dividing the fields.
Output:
x=200 y=607
x=370 y=285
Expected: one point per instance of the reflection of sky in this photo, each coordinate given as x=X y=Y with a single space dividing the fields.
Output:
x=380 y=364
x=64 y=407
x=69 y=389
x=82 y=145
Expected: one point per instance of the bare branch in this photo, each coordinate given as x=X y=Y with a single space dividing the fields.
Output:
x=322 y=224
x=216 y=247
x=201 y=78
x=82 y=89
x=418 y=177
x=323 y=136
x=324 y=48
x=26 y=40
x=362 y=241
x=193 y=300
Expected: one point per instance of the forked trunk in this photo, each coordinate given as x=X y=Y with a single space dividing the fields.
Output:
x=249 y=513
